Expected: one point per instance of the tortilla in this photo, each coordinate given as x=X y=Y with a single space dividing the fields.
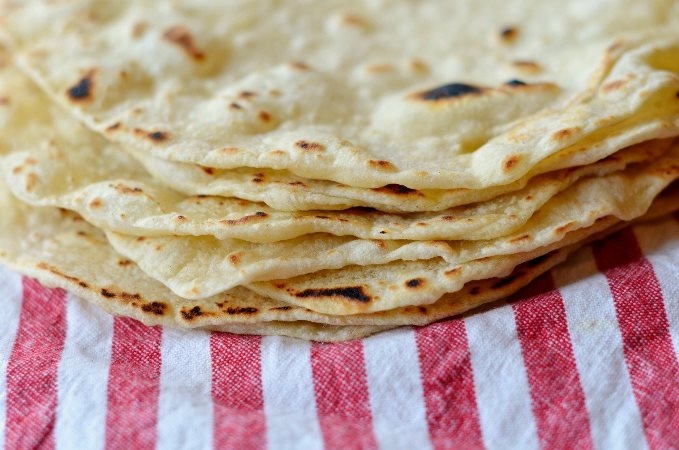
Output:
x=427 y=105
x=198 y=267
x=64 y=251
x=48 y=159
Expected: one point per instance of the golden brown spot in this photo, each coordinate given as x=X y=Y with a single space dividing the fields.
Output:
x=180 y=218
x=418 y=65
x=44 y=266
x=82 y=90
x=113 y=127
x=138 y=29
x=157 y=308
x=378 y=242
x=241 y=310
x=299 y=65
x=124 y=262
x=17 y=170
x=275 y=93
x=475 y=290
x=130 y=297
x=4 y=101
x=613 y=85
x=422 y=309
x=297 y=183
x=81 y=233
x=106 y=293
x=235 y=106
x=452 y=272
x=207 y=170
x=278 y=153
x=95 y=203
x=564 y=133
x=564 y=228
x=415 y=283
x=526 y=66
x=124 y=189
x=281 y=308
x=140 y=239
x=155 y=136
x=181 y=37
x=257 y=180
x=379 y=68
x=244 y=219
x=234 y=258
x=354 y=20
x=525 y=237
x=191 y=313
x=615 y=46
x=246 y=95
x=381 y=165
x=509 y=34
x=264 y=116
x=511 y=162
x=309 y=146
x=31 y=181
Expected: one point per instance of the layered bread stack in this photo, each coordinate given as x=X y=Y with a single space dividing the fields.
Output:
x=326 y=170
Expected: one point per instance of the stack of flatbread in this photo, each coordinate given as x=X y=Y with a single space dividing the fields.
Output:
x=326 y=170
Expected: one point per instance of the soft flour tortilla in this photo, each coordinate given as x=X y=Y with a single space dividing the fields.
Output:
x=283 y=191
x=429 y=104
x=205 y=312
x=61 y=249
x=198 y=267
x=48 y=159
x=356 y=289
x=116 y=196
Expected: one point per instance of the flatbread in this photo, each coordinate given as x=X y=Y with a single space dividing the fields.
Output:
x=118 y=196
x=48 y=159
x=64 y=251
x=357 y=289
x=198 y=267
x=428 y=104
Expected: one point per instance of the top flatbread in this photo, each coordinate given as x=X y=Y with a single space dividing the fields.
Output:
x=49 y=159
x=430 y=103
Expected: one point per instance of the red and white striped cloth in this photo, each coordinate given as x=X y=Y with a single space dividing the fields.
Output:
x=584 y=358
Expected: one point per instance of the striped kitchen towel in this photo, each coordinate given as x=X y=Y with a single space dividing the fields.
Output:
x=585 y=357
